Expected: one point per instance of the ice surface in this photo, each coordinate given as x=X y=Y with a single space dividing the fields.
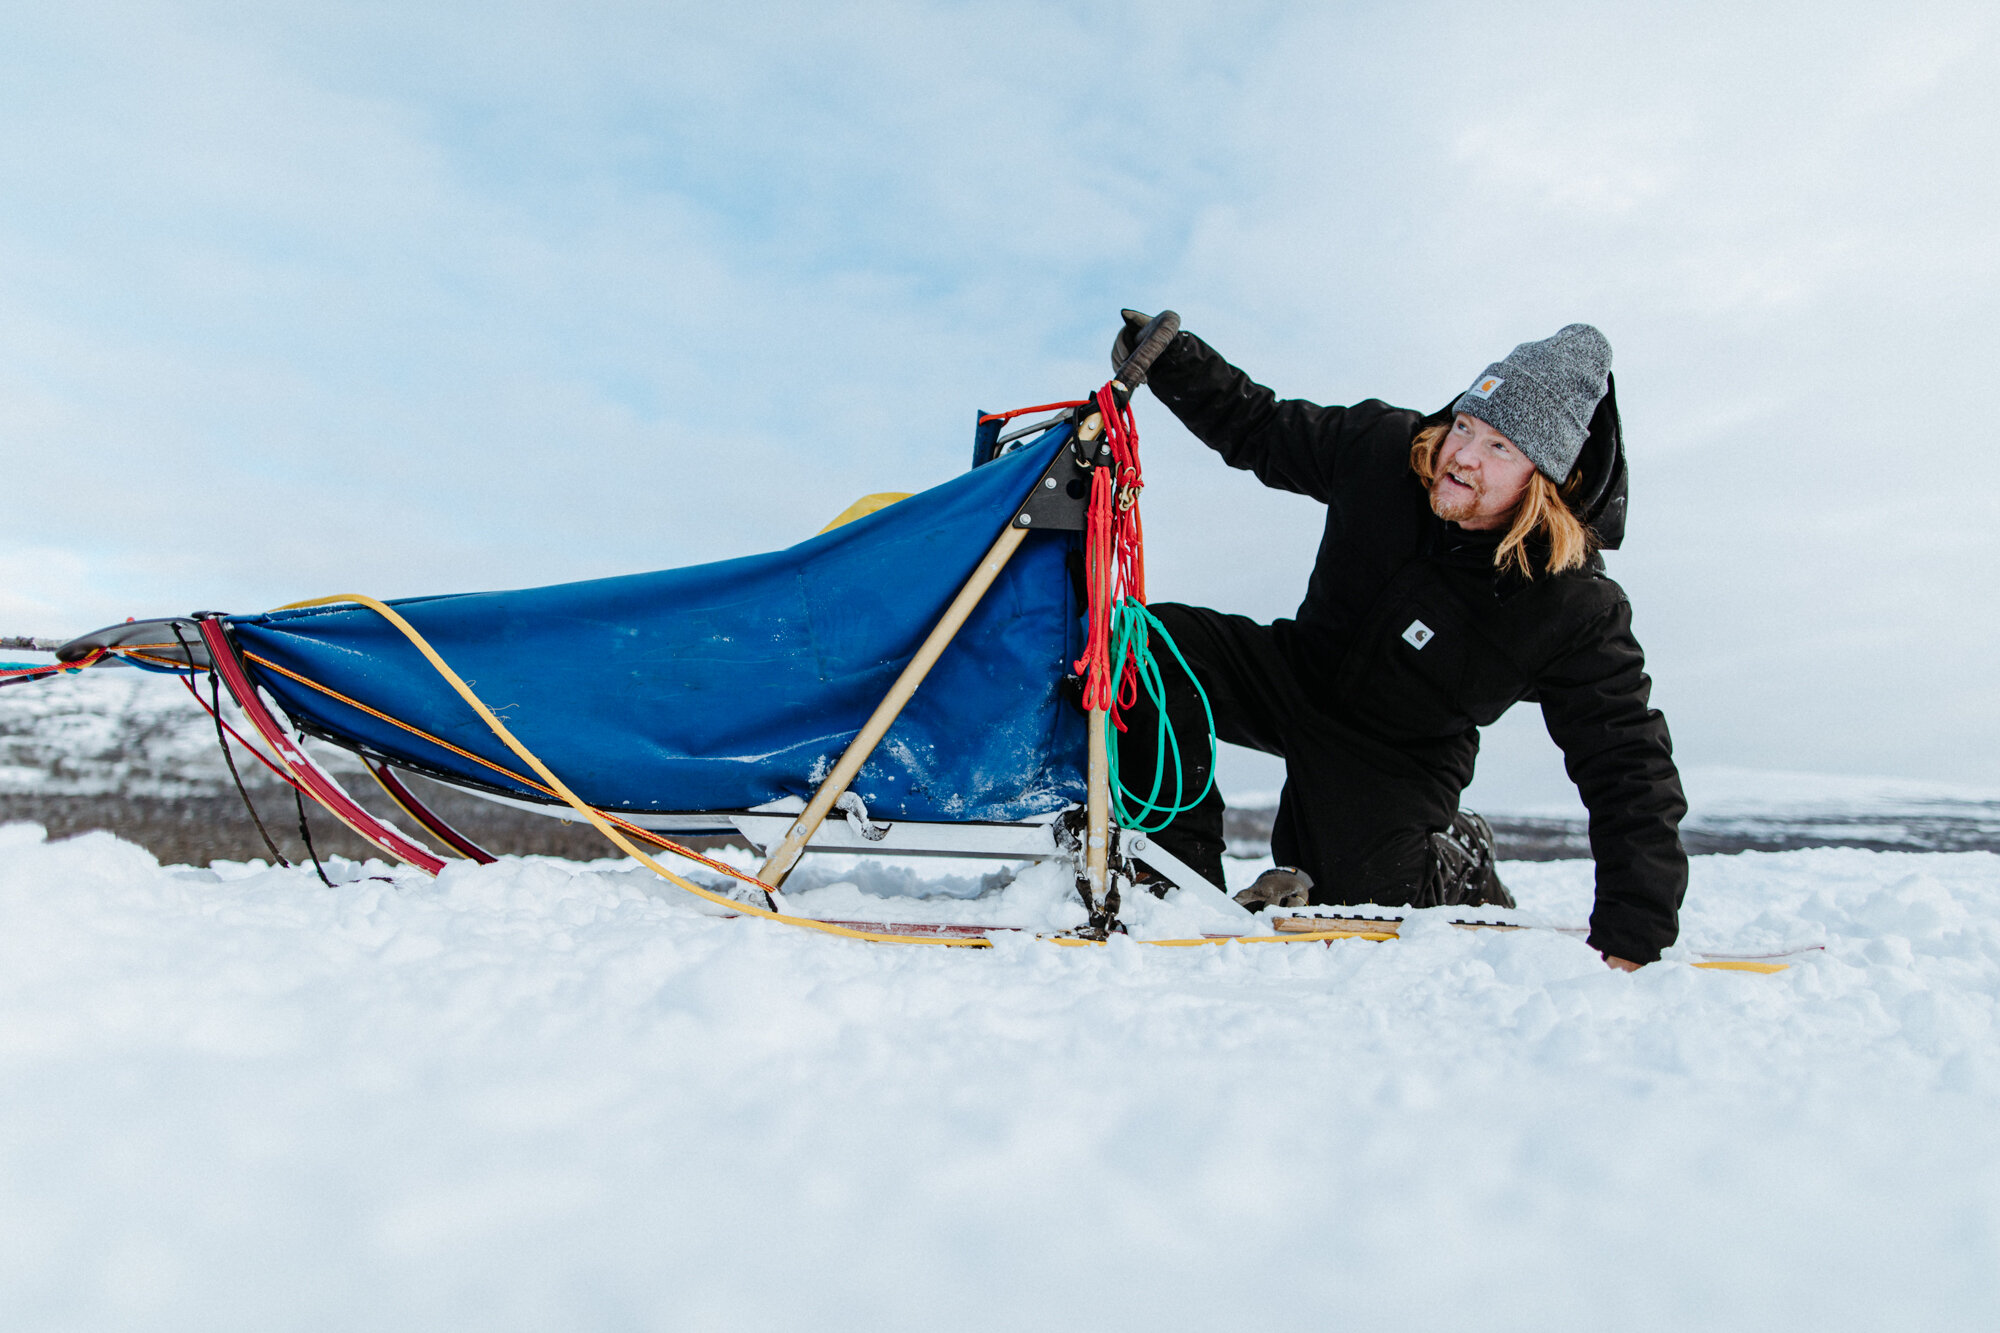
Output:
x=542 y=1094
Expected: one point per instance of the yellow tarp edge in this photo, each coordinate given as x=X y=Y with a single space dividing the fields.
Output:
x=863 y=507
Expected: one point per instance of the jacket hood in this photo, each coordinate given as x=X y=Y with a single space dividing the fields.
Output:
x=1601 y=495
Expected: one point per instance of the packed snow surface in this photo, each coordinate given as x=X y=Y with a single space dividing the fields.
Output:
x=551 y=1095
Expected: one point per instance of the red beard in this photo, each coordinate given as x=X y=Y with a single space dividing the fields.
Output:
x=1451 y=501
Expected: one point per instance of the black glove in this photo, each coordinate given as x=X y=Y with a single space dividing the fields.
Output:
x=1128 y=337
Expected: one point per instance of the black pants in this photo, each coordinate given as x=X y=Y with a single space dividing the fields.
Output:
x=1357 y=814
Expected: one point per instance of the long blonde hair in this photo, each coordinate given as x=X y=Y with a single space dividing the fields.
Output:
x=1544 y=513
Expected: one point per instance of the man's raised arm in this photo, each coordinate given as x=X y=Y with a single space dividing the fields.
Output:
x=1288 y=443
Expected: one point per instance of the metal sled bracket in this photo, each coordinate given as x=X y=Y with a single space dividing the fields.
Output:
x=1141 y=848
x=1060 y=499
x=909 y=837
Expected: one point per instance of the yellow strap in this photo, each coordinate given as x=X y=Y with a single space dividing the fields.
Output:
x=590 y=812
x=618 y=839
x=1742 y=965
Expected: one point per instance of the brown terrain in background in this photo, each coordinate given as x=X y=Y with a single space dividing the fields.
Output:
x=130 y=753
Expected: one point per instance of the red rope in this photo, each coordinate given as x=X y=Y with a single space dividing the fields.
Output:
x=188 y=680
x=1114 y=560
x=1023 y=411
x=55 y=668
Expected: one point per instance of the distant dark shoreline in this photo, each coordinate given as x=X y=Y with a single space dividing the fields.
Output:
x=198 y=829
x=127 y=752
x=1525 y=838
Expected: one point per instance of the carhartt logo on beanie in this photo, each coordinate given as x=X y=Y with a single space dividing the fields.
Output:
x=1542 y=396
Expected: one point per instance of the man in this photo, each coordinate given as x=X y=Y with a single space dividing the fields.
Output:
x=1458 y=575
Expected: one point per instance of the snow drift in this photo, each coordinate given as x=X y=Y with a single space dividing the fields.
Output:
x=550 y=1094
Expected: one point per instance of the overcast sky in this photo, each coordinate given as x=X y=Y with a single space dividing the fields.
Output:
x=307 y=299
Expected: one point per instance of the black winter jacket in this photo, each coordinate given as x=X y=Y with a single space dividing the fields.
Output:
x=1386 y=561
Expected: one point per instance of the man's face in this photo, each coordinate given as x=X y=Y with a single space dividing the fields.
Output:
x=1481 y=476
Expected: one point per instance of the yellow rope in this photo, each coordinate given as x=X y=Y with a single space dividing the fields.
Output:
x=603 y=825
x=590 y=812
x=642 y=834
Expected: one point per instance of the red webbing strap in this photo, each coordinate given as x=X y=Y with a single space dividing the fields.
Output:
x=310 y=778
x=426 y=816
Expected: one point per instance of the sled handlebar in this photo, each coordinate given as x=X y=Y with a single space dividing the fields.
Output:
x=1146 y=348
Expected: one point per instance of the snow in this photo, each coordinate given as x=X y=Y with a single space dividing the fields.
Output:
x=545 y=1094
x=107 y=730
x=1027 y=897
x=1718 y=793
x=1728 y=791
x=117 y=731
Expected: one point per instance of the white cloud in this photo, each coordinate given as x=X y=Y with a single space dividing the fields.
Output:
x=394 y=300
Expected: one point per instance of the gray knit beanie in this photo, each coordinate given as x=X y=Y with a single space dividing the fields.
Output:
x=1542 y=396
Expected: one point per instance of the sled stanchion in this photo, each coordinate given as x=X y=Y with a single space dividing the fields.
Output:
x=1097 y=820
x=780 y=862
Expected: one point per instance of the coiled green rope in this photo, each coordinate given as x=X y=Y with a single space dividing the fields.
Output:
x=1133 y=628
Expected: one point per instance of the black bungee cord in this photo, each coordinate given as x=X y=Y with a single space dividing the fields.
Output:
x=215 y=710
